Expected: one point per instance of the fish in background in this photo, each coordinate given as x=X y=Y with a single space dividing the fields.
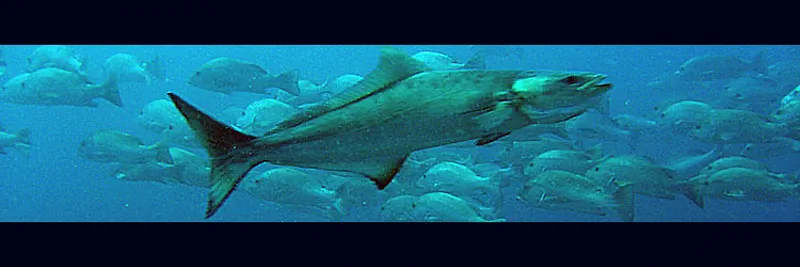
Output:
x=108 y=145
x=498 y=51
x=635 y=124
x=715 y=67
x=230 y=115
x=740 y=184
x=3 y=64
x=310 y=93
x=775 y=147
x=789 y=109
x=57 y=87
x=430 y=207
x=295 y=189
x=439 y=61
x=482 y=193
x=59 y=57
x=785 y=73
x=518 y=154
x=192 y=169
x=128 y=68
x=689 y=166
x=732 y=162
x=228 y=75
x=566 y=191
x=759 y=95
x=356 y=192
x=595 y=125
x=20 y=140
x=147 y=171
x=730 y=126
x=574 y=161
x=684 y=116
x=646 y=177
x=670 y=83
x=343 y=133
x=262 y=115
x=160 y=116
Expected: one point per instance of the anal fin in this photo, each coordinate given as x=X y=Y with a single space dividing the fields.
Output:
x=379 y=171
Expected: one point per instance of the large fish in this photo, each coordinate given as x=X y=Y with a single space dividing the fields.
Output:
x=399 y=108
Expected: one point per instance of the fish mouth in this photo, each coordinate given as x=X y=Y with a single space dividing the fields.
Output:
x=594 y=85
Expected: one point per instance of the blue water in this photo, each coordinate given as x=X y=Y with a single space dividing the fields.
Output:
x=53 y=184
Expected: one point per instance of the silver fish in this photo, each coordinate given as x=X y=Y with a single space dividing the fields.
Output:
x=228 y=75
x=713 y=67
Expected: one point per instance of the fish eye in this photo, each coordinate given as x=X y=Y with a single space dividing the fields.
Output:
x=22 y=84
x=242 y=113
x=170 y=127
x=663 y=115
x=709 y=168
x=414 y=205
x=141 y=112
x=597 y=169
x=738 y=95
x=570 y=80
x=697 y=127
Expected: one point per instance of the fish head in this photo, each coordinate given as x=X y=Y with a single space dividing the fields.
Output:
x=552 y=97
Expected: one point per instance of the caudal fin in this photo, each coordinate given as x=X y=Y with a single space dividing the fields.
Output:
x=624 y=200
x=693 y=194
x=759 y=63
x=155 y=68
x=24 y=136
x=110 y=90
x=478 y=62
x=287 y=81
x=228 y=149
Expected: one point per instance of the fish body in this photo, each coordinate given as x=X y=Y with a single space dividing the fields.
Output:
x=397 y=109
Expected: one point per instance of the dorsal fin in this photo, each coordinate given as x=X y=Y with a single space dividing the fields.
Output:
x=394 y=65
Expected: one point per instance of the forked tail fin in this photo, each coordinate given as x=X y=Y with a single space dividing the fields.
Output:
x=624 y=200
x=228 y=148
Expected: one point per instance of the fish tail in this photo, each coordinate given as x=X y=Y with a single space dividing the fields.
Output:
x=560 y=130
x=110 y=90
x=83 y=61
x=477 y=62
x=23 y=143
x=759 y=63
x=228 y=148
x=287 y=81
x=155 y=68
x=693 y=194
x=624 y=200
x=162 y=149
x=337 y=210
x=24 y=136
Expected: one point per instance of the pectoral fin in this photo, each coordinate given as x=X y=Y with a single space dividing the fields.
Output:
x=490 y=117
